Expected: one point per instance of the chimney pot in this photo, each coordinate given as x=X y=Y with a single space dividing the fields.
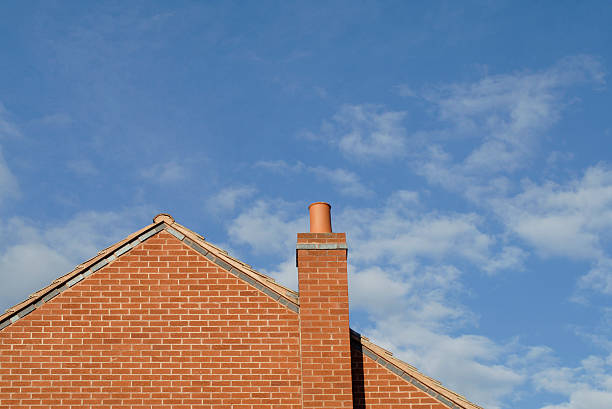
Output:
x=320 y=217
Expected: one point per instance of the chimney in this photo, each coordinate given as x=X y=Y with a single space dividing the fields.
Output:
x=324 y=314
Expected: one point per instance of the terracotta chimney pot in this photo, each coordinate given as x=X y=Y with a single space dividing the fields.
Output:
x=320 y=217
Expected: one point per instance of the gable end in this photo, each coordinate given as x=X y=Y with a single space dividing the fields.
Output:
x=108 y=255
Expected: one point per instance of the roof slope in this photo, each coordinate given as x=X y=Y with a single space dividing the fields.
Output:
x=266 y=284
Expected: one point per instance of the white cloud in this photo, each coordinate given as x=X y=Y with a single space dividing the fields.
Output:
x=168 y=172
x=571 y=220
x=373 y=289
x=83 y=167
x=59 y=119
x=510 y=257
x=599 y=277
x=32 y=256
x=8 y=182
x=8 y=128
x=398 y=233
x=365 y=132
x=267 y=227
x=404 y=90
x=347 y=182
x=228 y=198
x=507 y=115
x=588 y=386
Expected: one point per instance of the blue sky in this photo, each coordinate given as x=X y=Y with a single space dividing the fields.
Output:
x=464 y=149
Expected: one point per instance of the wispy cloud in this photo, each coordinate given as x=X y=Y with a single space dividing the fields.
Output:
x=168 y=172
x=8 y=182
x=8 y=127
x=59 y=119
x=365 y=132
x=348 y=183
x=227 y=199
x=586 y=386
x=9 y=187
x=571 y=220
x=83 y=167
x=267 y=227
x=506 y=115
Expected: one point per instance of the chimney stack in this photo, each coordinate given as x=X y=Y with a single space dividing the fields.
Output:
x=324 y=314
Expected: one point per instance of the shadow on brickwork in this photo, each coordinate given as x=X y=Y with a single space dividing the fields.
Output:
x=357 y=375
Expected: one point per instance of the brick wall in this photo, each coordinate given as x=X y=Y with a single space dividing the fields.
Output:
x=160 y=327
x=324 y=321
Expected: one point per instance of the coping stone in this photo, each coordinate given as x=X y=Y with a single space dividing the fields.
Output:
x=75 y=280
x=222 y=264
x=146 y=235
x=369 y=353
x=289 y=304
x=395 y=369
x=26 y=311
x=247 y=278
x=271 y=293
x=51 y=295
x=122 y=250
x=175 y=233
x=98 y=265
x=445 y=401
x=406 y=376
x=195 y=246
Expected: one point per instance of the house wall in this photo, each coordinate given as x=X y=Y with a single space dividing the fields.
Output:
x=160 y=327
x=376 y=387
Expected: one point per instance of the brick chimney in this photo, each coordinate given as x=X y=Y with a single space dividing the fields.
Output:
x=324 y=313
